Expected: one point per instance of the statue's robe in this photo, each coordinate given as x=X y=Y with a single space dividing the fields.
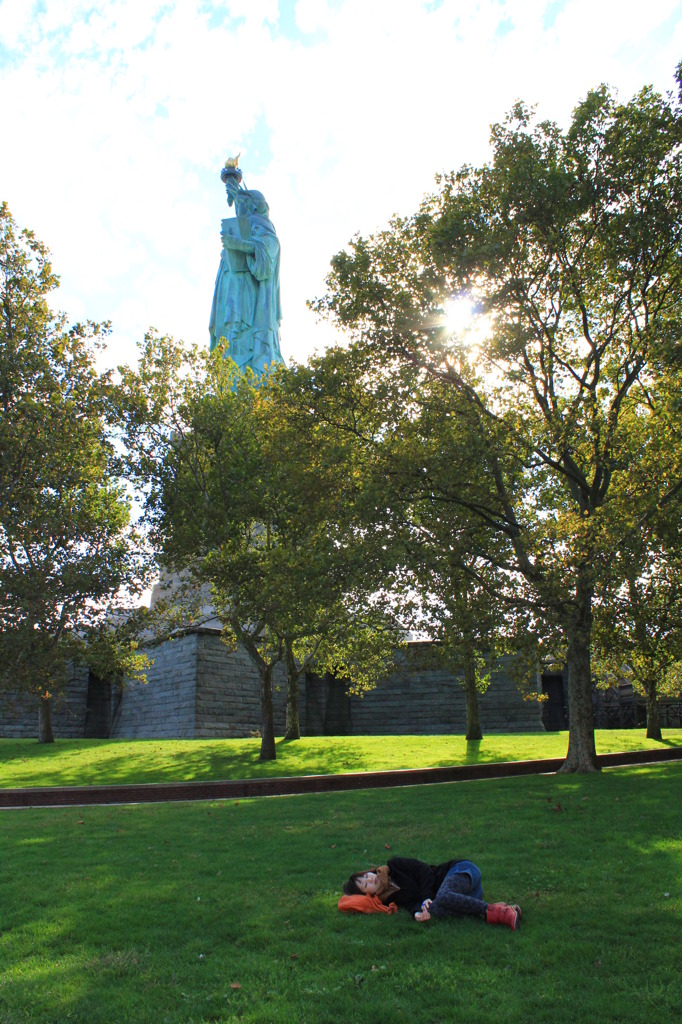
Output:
x=246 y=306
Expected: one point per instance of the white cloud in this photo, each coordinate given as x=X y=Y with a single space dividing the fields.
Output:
x=254 y=11
x=312 y=15
x=15 y=19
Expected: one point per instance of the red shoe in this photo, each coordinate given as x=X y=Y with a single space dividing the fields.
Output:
x=502 y=913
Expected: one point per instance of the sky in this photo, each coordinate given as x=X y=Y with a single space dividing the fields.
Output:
x=117 y=117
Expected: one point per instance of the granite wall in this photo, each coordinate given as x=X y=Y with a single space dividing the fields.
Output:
x=164 y=706
x=433 y=701
x=19 y=713
x=197 y=688
x=228 y=691
x=418 y=700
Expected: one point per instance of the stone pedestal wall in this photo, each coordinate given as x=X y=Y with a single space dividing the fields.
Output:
x=164 y=706
x=228 y=692
x=433 y=701
x=197 y=688
x=19 y=713
x=427 y=701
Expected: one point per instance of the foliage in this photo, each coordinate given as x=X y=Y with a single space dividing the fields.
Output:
x=451 y=561
x=638 y=627
x=68 y=555
x=248 y=494
x=568 y=244
x=417 y=448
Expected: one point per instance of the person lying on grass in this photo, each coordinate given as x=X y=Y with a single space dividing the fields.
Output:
x=442 y=890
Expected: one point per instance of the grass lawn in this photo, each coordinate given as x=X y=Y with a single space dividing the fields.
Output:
x=190 y=913
x=93 y=762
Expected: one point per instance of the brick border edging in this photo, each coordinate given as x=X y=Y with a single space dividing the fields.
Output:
x=161 y=792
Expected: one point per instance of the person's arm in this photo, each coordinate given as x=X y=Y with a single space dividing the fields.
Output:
x=415 y=878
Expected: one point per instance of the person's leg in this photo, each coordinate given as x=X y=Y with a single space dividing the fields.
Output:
x=469 y=868
x=461 y=893
x=455 y=896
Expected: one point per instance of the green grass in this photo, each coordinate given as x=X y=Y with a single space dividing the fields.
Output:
x=98 y=762
x=150 y=914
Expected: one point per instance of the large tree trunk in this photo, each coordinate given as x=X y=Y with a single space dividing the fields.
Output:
x=581 y=755
x=653 y=718
x=267 y=746
x=45 y=734
x=265 y=670
x=473 y=721
x=293 y=725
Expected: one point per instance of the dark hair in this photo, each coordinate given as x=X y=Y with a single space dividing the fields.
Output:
x=350 y=888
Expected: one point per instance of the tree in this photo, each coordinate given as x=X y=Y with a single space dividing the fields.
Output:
x=326 y=571
x=568 y=244
x=638 y=624
x=69 y=560
x=418 y=449
x=457 y=589
x=246 y=495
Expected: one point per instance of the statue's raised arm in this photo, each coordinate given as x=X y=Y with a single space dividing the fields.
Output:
x=246 y=309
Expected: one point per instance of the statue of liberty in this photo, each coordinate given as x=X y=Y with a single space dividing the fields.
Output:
x=246 y=309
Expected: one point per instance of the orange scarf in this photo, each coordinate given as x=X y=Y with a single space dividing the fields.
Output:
x=366 y=905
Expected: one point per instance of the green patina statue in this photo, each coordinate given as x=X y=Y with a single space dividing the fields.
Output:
x=246 y=309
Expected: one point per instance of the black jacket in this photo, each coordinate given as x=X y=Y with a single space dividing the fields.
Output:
x=418 y=881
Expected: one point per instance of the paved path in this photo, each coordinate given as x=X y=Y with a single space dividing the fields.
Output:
x=72 y=796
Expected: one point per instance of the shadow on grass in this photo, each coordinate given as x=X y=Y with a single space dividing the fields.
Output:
x=116 y=762
x=113 y=762
x=473 y=754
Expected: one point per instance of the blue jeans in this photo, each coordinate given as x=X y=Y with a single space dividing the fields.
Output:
x=467 y=867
